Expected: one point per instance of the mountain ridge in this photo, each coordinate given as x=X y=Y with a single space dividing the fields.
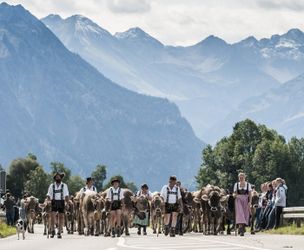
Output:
x=61 y=108
x=207 y=80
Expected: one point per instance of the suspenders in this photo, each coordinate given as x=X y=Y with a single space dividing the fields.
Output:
x=85 y=189
x=58 y=191
x=171 y=192
x=112 y=194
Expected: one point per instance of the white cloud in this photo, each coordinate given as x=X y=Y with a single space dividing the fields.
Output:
x=182 y=22
x=129 y=6
x=282 y=4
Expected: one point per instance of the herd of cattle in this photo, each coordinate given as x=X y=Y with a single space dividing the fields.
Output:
x=208 y=211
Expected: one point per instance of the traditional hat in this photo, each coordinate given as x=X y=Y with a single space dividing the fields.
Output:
x=172 y=178
x=115 y=179
x=60 y=174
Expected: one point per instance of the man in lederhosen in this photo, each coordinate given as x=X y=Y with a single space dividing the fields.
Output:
x=115 y=196
x=58 y=193
x=173 y=205
x=89 y=186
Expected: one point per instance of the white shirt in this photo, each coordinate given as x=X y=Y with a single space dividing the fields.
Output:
x=242 y=188
x=261 y=199
x=115 y=194
x=86 y=188
x=57 y=188
x=172 y=197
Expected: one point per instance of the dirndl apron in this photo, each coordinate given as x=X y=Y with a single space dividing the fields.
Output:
x=142 y=222
x=242 y=209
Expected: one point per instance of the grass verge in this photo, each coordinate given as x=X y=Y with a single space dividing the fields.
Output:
x=292 y=229
x=5 y=230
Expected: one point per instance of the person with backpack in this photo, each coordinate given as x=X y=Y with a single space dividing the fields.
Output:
x=173 y=205
x=58 y=193
x=115 y=196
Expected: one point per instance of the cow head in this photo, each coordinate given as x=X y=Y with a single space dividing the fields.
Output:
x=157 y=203
x=188 y=199
x=254 y=203
x=214 y=200
x=95 y=199
x=142 y=203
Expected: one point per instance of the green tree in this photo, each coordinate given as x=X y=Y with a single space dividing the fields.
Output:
x=18 y=172
x=75 y=184
x=37 y=183
x=99 y=175
x=132 y=186
x=294 y=178
x=261 y=153
x=32 y=156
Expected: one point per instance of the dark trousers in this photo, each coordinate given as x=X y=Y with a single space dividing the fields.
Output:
x=271 y=219
x=179 y=224
x=10 y=217
x=265 y=216
x=144 y=228
x=278 y=211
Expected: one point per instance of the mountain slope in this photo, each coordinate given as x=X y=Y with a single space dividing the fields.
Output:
x=281 y=108
x=206 y=80
x=281 y=56
x=56 y=105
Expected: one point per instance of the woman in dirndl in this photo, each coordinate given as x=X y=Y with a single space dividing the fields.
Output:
x=242 y=193
x=142 y=218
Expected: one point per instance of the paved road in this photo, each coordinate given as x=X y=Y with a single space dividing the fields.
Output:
x=151 y=242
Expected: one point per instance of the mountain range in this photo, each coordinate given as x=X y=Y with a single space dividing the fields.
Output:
x=210 y=81
x=56 y=105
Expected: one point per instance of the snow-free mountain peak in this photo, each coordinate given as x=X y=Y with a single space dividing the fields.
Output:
x=53 y=17
x=212 y=42
x=248 y=42
x=295 y=34
x=12 y=12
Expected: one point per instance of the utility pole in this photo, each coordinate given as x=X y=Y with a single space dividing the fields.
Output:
x=2 y=182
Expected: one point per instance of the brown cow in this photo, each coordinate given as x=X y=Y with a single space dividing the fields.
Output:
x=46 y=216
x=196 y=208
x=216 y=196
x=69 y=215
x=157 y=211
x=99 y=206
x=31 y=207
x=88 y=211
x=254 y=204
x=185 y=219
x=78 y=200
x=127 y=211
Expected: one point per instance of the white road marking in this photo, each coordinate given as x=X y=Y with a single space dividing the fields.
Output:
x=230 y=244
x=215 y=245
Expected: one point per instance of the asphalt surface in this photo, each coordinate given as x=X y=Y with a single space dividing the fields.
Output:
x=190 y=241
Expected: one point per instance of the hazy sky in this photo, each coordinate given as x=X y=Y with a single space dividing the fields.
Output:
x=182 y=22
